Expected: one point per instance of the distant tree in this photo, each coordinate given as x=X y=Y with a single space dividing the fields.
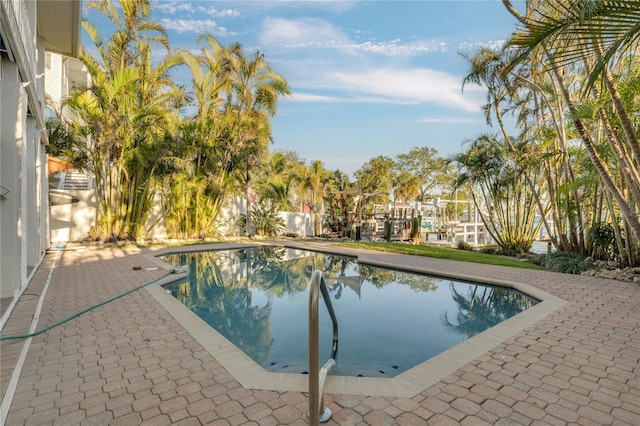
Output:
x=375 y=180
x=406 y=187
x=314 y=181
x=339 y=201
x=435 y=174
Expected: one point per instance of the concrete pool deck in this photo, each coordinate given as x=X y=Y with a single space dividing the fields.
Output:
x=131 y=362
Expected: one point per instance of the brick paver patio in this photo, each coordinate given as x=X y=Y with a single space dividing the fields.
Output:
x=130 y=362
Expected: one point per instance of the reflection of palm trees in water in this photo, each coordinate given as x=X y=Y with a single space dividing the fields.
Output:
x=378 y=277
x=277 y=276
x=336 y=268
x=203 y=271
x=482 y=307
x=218 y=293
x=417 y=282
x=249 y=327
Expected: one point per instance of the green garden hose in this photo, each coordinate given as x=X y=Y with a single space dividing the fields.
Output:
x=35 y=333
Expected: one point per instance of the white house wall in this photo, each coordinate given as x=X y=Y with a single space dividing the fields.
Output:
x=53 y=78
x=26 y=27
x=1 y=179
x=72 y=221
x=13 y=134
x=36 y=198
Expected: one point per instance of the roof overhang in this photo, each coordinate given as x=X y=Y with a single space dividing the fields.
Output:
x=59 y=24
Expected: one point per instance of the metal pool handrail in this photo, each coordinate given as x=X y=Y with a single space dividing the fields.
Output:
x=317 y=377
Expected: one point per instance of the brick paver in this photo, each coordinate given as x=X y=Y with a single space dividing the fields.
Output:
x=130 y=362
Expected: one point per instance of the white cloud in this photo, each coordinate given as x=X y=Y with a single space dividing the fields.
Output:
x=474 y=45
x=317 y=33
x=228 y=13
x=174 y=7
x=309 y=97
x=405 y=86
x=396 y=48
x=400 y=86
x=334 y=68
x=300 y=33
x=198 y=26
x=224 y=13
x=449 y=120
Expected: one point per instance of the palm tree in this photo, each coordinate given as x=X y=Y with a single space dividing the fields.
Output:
x=314 y=181
x=125 y=114
x=487 y=67
x=339 y=202
x=65 y=143
x=597 y=35
x=277 y=182
x=200 y=179
x=251 y=98
x=497 y=181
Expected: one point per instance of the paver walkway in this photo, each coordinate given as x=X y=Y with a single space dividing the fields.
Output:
x=130 y=362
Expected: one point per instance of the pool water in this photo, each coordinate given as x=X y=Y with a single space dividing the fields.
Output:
x=389 y=320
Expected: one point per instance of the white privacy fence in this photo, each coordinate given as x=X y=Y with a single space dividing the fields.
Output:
x=72 y=213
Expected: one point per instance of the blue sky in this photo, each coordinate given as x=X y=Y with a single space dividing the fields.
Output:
x=368 y=78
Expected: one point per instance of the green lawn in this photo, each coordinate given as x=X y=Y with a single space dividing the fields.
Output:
x=418 y=250
x=442 y=253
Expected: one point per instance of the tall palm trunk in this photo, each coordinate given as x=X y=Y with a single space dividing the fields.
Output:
x=248 y=197
x=621 y=110
x=599 y=165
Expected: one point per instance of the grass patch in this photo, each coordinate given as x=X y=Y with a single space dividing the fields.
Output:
x=441 y=253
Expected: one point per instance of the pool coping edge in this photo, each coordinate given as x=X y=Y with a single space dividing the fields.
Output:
x=405 y=385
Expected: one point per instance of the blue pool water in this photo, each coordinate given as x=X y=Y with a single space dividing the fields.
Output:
x=389 y=320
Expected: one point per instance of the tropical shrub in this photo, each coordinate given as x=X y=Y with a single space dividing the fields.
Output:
x=565 y=262
x=492 y=170
x=507 y=252
x=603 y=241
x=265 y=221
x=463 y=245
x=488 y=250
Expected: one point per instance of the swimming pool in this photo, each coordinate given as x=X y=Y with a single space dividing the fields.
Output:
x=389 y=320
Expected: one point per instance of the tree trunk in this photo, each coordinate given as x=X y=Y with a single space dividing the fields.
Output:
x=248 y=195
x=603 y=172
